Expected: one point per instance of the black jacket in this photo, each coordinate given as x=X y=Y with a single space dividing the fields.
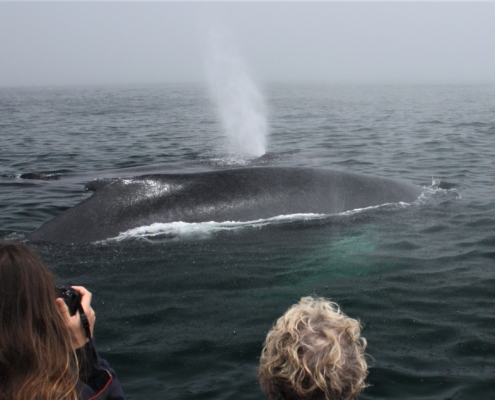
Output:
x=97 y=381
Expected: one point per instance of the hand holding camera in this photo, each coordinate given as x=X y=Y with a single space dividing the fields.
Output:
x=69 y=302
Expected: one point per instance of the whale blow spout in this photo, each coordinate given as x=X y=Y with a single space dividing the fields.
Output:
x=239 y=102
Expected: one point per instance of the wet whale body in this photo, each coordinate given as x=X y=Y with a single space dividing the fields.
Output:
x=243 y=194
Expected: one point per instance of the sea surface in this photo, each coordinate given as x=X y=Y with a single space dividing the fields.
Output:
x=182 y=313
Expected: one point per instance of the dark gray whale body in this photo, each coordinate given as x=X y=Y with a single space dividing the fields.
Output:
x=244 y=194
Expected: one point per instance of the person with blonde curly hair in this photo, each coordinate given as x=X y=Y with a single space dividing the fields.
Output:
x=313 y=351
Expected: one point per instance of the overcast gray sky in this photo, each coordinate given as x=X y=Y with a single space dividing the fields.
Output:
x=107 y=43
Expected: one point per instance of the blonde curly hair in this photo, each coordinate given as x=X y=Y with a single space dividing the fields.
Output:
x=314 y=351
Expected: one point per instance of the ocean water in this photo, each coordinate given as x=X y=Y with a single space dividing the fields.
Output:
x=182 y=311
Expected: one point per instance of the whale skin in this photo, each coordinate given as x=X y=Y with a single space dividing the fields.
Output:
x=241 y=194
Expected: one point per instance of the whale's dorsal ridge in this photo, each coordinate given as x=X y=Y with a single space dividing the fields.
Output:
x=98 y=184
x=146 y=183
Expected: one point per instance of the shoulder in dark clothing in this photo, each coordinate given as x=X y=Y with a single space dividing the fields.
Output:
x=97 y=380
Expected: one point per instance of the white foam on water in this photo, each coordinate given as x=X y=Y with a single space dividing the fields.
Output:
x=400 y=204
x=240 y=104
x=193 y=229
x=205 y=229
x=435 y=194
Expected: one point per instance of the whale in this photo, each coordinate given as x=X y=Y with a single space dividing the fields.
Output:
x=240 y=194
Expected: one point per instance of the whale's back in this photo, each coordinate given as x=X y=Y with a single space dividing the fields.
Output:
x=244 y=194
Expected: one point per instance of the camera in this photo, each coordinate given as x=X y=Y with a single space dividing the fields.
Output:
x=71 y=297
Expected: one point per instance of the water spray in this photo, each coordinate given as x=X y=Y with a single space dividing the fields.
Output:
x=239 y=102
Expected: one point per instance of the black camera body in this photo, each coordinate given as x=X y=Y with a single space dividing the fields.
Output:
x=71 y=297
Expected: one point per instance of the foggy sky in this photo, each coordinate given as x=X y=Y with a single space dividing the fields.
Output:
x=113 y=43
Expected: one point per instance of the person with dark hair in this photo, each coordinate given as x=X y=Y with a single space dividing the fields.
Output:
x=45 y=352
x=313 y=352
